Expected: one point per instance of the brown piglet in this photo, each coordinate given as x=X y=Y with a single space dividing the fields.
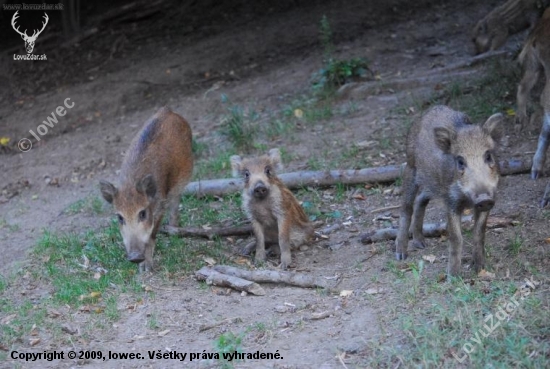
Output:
x=277 y=217
x=156 y=168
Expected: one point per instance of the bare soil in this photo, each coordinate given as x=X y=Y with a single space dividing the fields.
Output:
x=261 y=53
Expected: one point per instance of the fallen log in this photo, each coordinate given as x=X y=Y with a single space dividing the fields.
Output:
x=243 y=230
x=293 y=180
x=273 y=276
x=216 y=278
x=430 y=229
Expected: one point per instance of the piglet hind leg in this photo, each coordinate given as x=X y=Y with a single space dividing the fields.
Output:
x=284 y=243
x=542 y=147
x=546 y=197
x=420 y=205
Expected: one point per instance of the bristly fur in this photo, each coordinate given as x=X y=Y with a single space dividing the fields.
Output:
x=535 y=58
x=155 y=170
x=513 y=16
x=449 y=158
x=276 y=216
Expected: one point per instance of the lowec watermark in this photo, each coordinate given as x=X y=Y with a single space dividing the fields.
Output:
x=503 y=312
x=25 y=144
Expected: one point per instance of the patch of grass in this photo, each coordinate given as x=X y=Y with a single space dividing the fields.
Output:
x=22 y=319
x=89 y=205
x=10 y=227
x=152 y=321
x=199 y=148
x=228 y=343
x=349 y=108
x=516 y=244
x=278 y=128
x=72 y=262
x=239 y=126
x=321 y=111
x=313 y=163
x=209 y=211
x=215 y=166
x=492 y=93
x=3 y=283
x=470 y=321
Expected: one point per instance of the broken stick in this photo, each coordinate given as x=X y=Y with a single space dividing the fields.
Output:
x=223 y=280
x=273 y=276
x=207 y=326
x=429 y=229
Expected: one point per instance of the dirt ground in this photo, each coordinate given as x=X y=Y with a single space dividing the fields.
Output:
x=260 y=53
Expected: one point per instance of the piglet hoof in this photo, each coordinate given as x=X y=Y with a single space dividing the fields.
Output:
x=246 y=250
x=544 y=202
x=400 y=255
x=145 y=267
x=535 y=174
x=417 y=244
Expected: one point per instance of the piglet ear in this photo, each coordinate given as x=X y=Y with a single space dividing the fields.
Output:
x=236 y=165
x=108 y=191
x=443 y=138
x=493 y=126
x=147 y=186
x=275 y=157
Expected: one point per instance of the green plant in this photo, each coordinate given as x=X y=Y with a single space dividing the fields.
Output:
x=228 y=343
x=326 y=40
x=152 y=321
x=335 y=73
x=339 y=72
x=239 y=126
x=516 y=244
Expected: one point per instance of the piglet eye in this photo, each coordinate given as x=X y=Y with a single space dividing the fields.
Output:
x=142 y=215
x=120 y=219
x=267 y=171
x=488 y=157
x=460 y=163
x=246 y=174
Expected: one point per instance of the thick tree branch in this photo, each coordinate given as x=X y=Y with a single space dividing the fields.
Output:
x=273 y=276
x=223 y=280
x=220 y=187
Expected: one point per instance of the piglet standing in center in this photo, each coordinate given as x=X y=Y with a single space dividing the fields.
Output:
x=450 y=158
x=277 y=217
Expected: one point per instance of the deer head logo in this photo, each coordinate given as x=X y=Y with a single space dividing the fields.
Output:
x=29 y=40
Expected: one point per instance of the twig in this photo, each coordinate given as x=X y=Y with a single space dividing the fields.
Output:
x=342 y=361
x=386 y=208
x=207 y=326
x=321 y=315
